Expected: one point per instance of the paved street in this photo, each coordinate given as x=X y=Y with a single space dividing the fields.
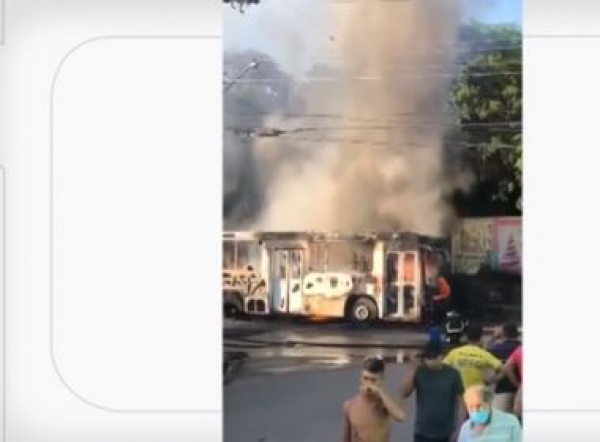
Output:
x=300 y=406
x=272 y=347
x=294 y=376
x=280 y=347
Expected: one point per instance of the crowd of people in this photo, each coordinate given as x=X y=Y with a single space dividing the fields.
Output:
x=472 y=393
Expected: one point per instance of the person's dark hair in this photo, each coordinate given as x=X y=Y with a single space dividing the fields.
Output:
x=510 y=330
x=374 y=365
x=474 y=332
x=432 y=350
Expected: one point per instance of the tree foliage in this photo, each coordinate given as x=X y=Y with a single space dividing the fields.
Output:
x=487 y=99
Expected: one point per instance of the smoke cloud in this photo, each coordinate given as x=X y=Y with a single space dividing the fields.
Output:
x=378 y=161
x=246 y=106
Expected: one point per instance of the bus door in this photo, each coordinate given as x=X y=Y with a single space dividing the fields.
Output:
x=287 y=271
x=411 y=287
x=391 y=286
x=402 y=291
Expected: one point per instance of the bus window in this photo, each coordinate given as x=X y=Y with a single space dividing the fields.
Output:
x=344 y=256
x=431 y=267
x=362 y=258
x=296 y=263
x=282 y=263
x=409 y=268
x=340 y=256
x=316 y=257
x=228 y=255
x=391 y=268
x=248 y=256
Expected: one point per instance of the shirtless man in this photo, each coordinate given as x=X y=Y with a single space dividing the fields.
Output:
x=367 y=416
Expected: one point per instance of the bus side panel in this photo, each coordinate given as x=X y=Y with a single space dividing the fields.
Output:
x=325 y=294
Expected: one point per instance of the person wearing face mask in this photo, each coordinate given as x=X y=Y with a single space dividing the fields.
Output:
x=485 y=423
x=439 y=391
x=367 y=416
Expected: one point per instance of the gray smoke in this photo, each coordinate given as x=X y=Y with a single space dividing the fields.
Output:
x=377 y=162
x=246 y=105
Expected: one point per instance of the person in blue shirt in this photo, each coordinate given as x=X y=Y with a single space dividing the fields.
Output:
x=486 y=423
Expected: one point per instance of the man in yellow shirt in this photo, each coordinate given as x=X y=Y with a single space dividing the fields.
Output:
x=476 y=365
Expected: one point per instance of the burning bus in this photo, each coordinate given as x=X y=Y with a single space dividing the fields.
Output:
x=361 y=277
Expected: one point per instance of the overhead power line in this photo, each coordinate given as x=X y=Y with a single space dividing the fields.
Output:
x=371 y=143
x=228 y=84
x=370 y=78
x=388 y=144
x=443 y=48
x=277 y=132
x=447 y=66
x=340 y=116
x=457 y=50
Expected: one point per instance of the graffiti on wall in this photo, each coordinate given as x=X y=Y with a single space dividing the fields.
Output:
x=508 y=244
x=472 y=245
x=488 y=242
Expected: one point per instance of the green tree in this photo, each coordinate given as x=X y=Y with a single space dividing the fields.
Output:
x=487 y=99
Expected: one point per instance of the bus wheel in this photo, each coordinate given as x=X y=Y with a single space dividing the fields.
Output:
x=231 y=311
x=233 y=305
x=363 y=310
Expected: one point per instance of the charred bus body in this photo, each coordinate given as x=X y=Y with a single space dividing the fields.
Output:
x=363 y=277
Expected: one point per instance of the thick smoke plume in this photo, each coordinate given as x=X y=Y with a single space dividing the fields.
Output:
x=246 y=106
x=379 y=164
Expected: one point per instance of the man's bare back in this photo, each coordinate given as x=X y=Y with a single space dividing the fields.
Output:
x=367 y=420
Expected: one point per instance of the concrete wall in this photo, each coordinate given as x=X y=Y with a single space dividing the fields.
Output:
x=493 y=242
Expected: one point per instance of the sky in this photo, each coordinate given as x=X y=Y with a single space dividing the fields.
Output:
x=274 y=26
x=489 y=11
x=503 y=11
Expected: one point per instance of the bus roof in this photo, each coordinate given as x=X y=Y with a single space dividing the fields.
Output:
x=327 y=236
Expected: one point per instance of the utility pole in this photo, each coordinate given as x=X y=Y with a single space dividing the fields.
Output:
x=253 y=65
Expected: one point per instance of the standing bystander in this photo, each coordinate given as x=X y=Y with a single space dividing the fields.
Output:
x=485 y=423
x=475 y=364
x=439 y=393
x=368 y=414
x=515 y=364
x=504 y=342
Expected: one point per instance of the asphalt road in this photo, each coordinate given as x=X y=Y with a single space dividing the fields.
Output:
x=296 y=375
x=281 y=347
x=322 y=334
x=274 y=347
x=300 y=406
